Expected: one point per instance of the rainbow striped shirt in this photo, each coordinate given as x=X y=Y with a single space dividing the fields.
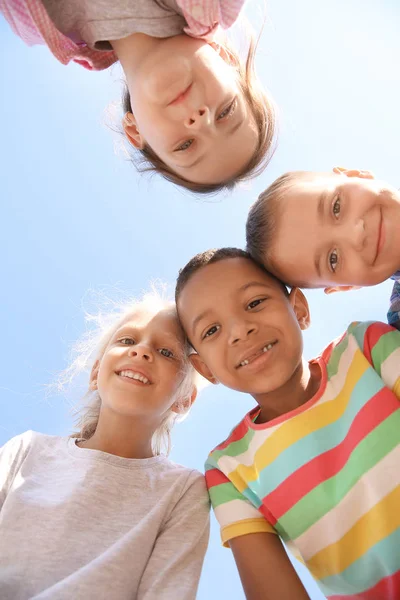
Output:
x=325 y=477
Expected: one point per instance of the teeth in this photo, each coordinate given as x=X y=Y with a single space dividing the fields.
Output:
x=265 y=349
x=268 y=347
x=133 y=375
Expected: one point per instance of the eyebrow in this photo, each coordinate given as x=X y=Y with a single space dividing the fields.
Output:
x=317 y=261
x=134 y=330
x=321 y=206
x=321 y=216
x=200 y=158
x=254 y=283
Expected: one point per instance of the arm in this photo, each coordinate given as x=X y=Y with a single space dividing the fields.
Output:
x=394 y=309
x=265 y=569
x=173 y=570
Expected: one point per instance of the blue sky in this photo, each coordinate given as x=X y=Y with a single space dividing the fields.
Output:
x=76 y=216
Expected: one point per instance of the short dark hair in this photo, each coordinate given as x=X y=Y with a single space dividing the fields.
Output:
x=212 y=256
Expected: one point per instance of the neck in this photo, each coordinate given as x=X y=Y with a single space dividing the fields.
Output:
x=132 y=51
x=300 y=388
x=120 y=435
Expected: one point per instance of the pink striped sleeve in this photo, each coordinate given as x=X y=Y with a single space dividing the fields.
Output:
x=205 y=16
x=29 y=20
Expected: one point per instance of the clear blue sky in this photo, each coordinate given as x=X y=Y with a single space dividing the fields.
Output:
x=76 y=216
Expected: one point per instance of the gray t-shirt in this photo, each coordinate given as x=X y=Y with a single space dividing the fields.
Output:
x=97 y=21
x=79 y=523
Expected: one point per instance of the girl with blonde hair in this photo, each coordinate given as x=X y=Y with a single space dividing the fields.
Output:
x=103 y=513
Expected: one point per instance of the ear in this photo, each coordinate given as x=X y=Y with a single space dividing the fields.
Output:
x=201 y=367
x=93 y=375
x=341 y=288
x=354 y=173
x=131 y=131
x=300 y=307
x=225 y=54
x=181 y=407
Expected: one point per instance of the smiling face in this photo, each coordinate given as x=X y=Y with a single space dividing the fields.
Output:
x=335 y=230
x=189 y=108
x=141 y=368
x=246 y=331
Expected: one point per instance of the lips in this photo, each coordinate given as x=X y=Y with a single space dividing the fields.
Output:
x=128 y=372
x=183 y=94
x=253 y=354
x=380 y=237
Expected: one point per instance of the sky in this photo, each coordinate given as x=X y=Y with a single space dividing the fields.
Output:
x=77 y=217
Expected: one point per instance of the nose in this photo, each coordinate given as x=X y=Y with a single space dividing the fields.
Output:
x=357 y=235
x=240 y=330
x=198 y=119
x=141 y=351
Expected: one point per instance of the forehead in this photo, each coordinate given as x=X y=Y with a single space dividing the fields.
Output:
x=204 y=289
x=309 y=190
x=160 y=321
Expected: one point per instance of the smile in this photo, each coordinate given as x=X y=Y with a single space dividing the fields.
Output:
x=129 y=374
x=380 y=237
x=252 y=357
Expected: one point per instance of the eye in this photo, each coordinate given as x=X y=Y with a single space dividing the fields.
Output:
x=255 y=303
x=127 y=341
x=336 y=207
x=167 y=353
x=184 y=146
x=211 y=331
x=229 y=110
x=333 y=260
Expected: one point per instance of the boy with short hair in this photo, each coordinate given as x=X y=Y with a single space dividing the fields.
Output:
x=315 y=464
x=335 y=230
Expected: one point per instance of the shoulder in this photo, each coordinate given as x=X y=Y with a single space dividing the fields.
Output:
x=21 y=442
x=375 y=340
x=193 y=482
x=14 y=452
x=235 y=438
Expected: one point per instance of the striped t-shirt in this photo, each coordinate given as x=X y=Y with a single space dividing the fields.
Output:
x=325 y=477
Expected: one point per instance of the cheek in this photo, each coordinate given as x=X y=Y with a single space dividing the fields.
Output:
x=159 y=133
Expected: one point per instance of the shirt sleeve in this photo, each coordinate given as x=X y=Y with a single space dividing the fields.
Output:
x=394 y=309
x=380 y=344
x=235 y=514
x=203 y=18
x=12 y=455
x=174 y=568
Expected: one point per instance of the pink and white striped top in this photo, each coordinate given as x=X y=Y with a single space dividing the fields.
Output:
x=30 y=21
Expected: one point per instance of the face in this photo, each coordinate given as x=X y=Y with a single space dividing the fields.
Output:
x=338 y=230
x=247 y=332
x=189 y=108
x=140 y=370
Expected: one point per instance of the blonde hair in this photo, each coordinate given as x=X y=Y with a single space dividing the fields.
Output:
x=263 y=113
x=91 y=347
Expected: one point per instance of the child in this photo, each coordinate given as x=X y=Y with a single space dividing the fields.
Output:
x=193 y=111
x=316 y=463
x=102 y=514
x=334 y=230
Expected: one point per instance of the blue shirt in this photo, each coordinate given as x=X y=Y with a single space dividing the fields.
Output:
x=394 y=310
